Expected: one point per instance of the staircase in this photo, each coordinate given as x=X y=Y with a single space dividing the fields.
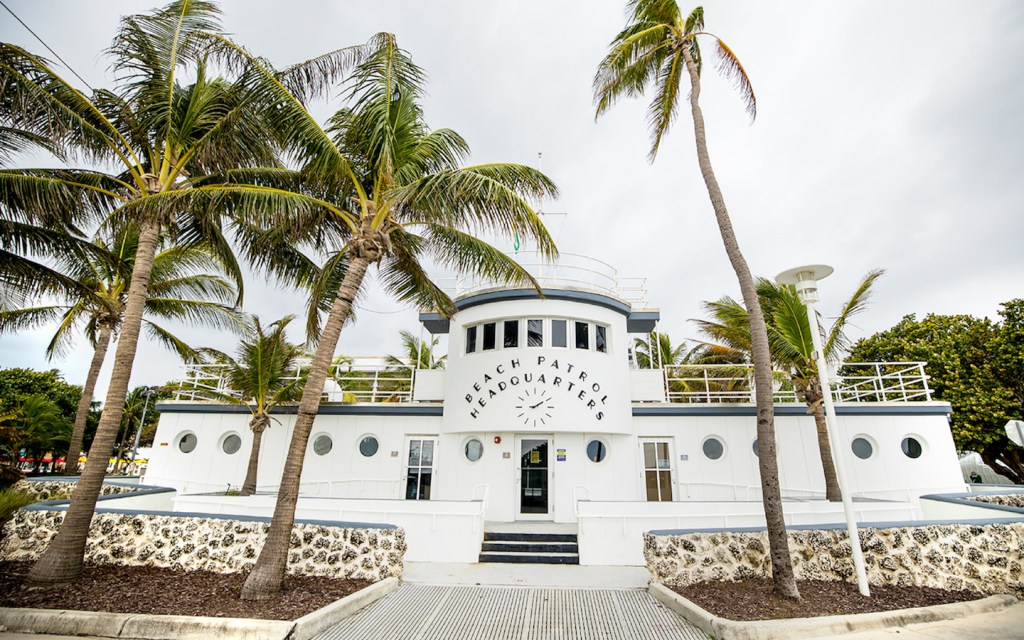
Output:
x=530 y=548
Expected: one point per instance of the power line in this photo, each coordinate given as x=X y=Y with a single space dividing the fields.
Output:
x=57 y=55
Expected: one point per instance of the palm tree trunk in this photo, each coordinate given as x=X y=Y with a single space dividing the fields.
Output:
x=62 y=560
x=782 y=564
x=268 y=573
x=259 y=425
x=828 y=465
x=78 y=432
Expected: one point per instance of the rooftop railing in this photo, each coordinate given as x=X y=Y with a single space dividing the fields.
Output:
x=353 y=380
x=853 y=382
x=371 y=380
x=570 y=271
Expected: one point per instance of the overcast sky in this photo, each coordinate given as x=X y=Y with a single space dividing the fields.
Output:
x=889 y=134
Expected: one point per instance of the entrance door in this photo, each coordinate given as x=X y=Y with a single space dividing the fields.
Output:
x=419 y=472
x=534 y=478
x=656 y=456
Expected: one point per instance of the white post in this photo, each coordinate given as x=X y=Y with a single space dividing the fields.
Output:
x=805 y=280
x=837 y=457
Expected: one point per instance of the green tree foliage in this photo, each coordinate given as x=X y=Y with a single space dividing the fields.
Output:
x=44 y=428
x=974 y=364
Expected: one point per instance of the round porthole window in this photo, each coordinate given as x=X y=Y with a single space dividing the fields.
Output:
x=231 y=444
x=474 y=449
x=911 y=447
x=597 y=450
x=757 y=451
x=368 y=446
x=862 y=448
x=323 y=445
x=187 y=443
x=713 y=448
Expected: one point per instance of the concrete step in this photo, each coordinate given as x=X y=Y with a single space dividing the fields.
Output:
x=531 y=547
x=530 y=558
x=501 y=536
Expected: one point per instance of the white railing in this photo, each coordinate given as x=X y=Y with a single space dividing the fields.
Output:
x=355 y=380
x=570 y=271
x=371 y=380
x=854 y=382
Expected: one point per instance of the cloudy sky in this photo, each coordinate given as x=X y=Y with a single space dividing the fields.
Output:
x=888 y=135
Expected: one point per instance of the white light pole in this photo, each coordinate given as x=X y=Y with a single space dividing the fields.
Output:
x=147 y=393
x=806 y=281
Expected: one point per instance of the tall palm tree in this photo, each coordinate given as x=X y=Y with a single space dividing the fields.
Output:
x=171 y=144
x=260 y=378
x=791 y=347
x=656 y=47
x=400 y=197
x=178 y=290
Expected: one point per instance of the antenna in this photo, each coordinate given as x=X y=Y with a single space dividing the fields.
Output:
x=540 y=207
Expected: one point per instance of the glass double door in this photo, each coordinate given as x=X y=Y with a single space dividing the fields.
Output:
x=534 y=478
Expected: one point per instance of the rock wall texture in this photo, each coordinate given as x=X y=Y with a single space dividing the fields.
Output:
x=188 y=543
x=983 y=558
x=62 y=489
x=1007 y=500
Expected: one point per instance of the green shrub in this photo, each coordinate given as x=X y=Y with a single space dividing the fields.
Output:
x=13 y=499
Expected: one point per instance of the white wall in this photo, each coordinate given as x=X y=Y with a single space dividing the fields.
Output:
x=435 y=530
x=342 y=472
x=572 y=378
x=611 y=533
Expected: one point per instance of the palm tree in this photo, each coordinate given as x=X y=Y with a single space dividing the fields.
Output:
x=400 y=197
x=178 y=289
x=654 y=49
x=656 y=351
x=791 y=347
x=171 y=146
x=418 y=353
x=261 y=378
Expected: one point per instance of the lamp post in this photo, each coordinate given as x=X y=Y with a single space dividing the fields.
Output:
x=147 y=393
x=806 y=281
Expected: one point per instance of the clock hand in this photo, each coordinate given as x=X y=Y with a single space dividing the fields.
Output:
x=534 y=406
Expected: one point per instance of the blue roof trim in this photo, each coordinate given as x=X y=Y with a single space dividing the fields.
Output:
x=941 y=408
x=381 y=409
x=586 y=297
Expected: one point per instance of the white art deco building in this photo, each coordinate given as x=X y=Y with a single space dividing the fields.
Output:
x=541 y=416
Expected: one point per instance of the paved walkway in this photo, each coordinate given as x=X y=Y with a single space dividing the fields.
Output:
x=999 y=625
x=443 y=612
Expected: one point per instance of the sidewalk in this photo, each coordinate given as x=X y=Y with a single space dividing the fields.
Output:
x=1007 y=624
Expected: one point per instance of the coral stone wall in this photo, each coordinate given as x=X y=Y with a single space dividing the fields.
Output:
x=191 y=543
x=1007 y=500
x=984 y=558
x=62 y=489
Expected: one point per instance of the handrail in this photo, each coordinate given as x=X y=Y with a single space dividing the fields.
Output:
x=854 y=382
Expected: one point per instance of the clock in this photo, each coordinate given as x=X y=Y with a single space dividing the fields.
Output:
x=534 y=408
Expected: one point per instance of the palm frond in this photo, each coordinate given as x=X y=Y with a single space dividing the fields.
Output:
x=478 y=199
x=837 y=342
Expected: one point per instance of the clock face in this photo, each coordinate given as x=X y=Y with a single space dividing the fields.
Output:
x=534 y=407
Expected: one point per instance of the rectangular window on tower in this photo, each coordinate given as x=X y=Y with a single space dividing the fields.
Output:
x=489 y=333
x=470 y=339
x=511 y=334
x=600 y=338
x=558 y=333
x=582 y=335
x=535 y=333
